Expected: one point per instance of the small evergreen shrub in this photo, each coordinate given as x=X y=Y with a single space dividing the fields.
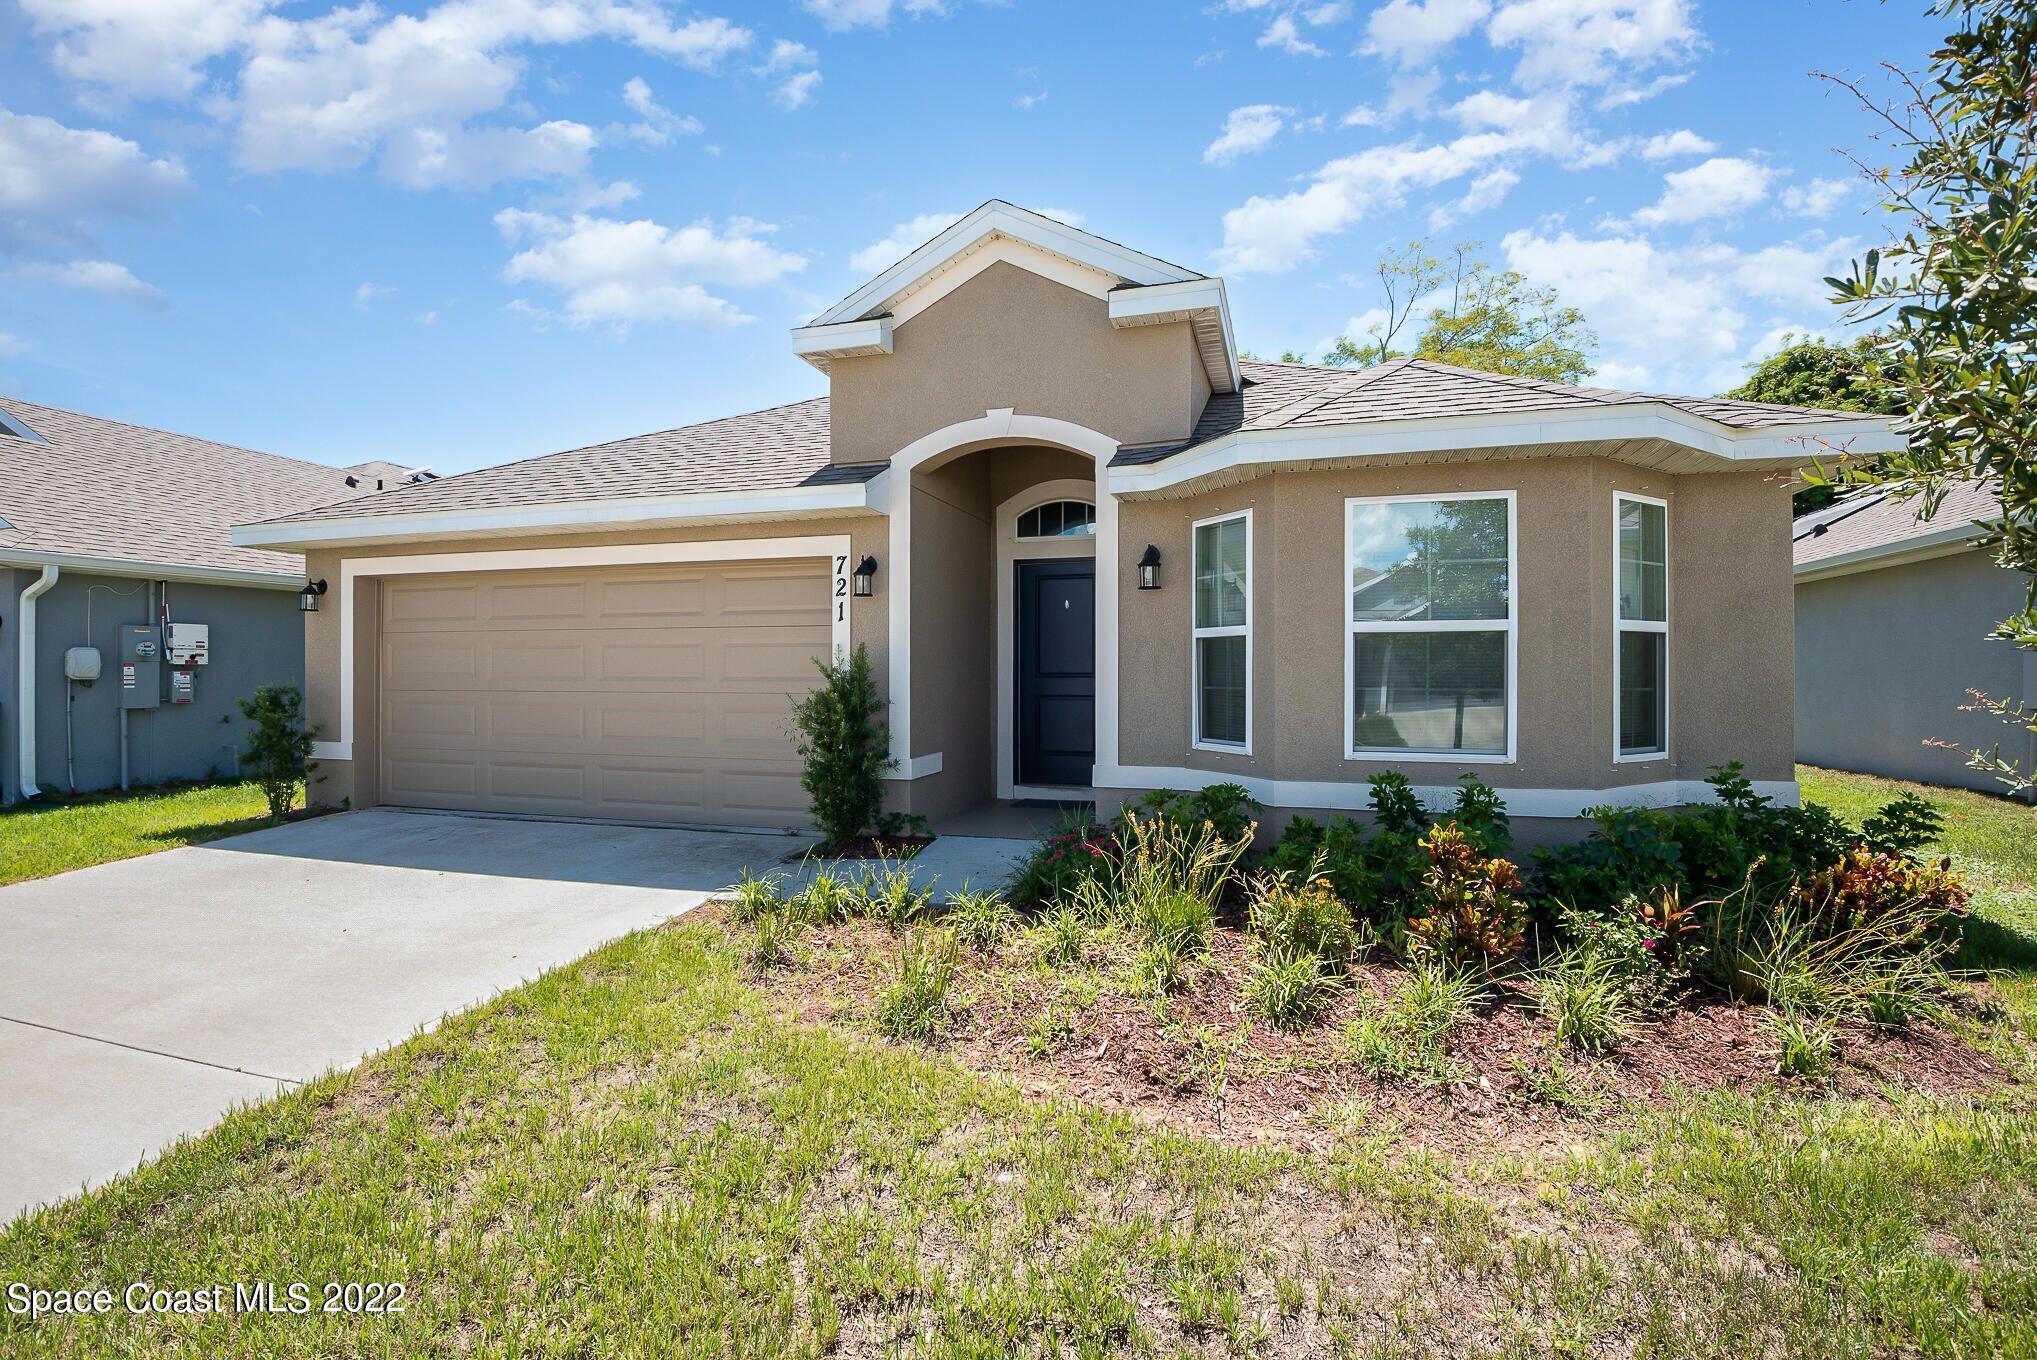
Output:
x=843 y=748
x=1068 y=857
x=1290 y=915
x=1230 y=808
x=278 y=751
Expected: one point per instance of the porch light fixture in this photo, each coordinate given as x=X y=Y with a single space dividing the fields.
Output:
x=307 y=598
x=866 y=572
x=1149 y=568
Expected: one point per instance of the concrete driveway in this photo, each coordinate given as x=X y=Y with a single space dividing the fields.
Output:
x=139 y=1001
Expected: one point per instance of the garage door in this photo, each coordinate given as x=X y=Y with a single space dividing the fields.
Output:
x=640 y=693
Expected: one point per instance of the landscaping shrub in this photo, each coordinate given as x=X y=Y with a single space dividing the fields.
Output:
x=914 y=1005
x=826 y=900
x=1406 y=1037
x=980 y=919
x=1804 y=1047
x=1158 y=968
x=1648 y=944
x=1230 y=808
x=1069 y=856
x=278 y=751
x=1589 y=998
x=1781 y=946
x=1473 y=912
x=889 y=895
x=1170 y=876
x=1903 y=827
x=1287 y=988
x=1061 y=935
x=843 y=747
x=1868 y=884
x=752 y=897
x=1295 y=915
x=772 y=945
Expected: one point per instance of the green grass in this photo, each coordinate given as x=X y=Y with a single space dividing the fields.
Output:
x=42 y=839
x=639 y=1154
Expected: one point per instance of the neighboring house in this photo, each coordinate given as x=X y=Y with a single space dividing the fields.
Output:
x=1893 y=617
x=1411 y=567
x=108 y=532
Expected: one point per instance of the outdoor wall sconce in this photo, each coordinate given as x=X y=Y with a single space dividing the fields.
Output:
x=866 y=572
x=1149 y=568
x=307 y=598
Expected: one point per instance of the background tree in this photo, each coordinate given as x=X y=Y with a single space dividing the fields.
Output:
x=1806 y=371
x=1476 y=317
x=1956 y=293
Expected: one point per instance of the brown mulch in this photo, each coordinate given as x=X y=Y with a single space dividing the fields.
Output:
x=870 y=847
x=1298 y=1088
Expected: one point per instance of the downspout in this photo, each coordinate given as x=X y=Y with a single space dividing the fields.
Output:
x=24 y=712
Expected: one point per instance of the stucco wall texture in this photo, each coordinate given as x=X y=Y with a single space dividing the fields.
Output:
x=1884 y=660
x=1730 y=624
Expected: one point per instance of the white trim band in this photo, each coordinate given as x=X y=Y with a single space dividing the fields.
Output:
x=1340 y=796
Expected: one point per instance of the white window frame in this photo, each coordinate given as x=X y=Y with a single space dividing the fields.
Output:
x=1624 y=625
x=1196 y=635
x=1511 y=628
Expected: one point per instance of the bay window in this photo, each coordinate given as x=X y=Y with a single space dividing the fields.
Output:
x=1641 y=627
x=1430 y=666
x=1223 y=633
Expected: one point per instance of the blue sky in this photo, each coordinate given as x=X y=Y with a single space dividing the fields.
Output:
x=459 y=233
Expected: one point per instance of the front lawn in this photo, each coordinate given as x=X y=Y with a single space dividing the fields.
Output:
x=40 y=839
x=668 y=1149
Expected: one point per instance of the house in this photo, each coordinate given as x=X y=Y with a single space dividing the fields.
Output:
x=117 y=568
x=1092 y=552
x=1893 y=616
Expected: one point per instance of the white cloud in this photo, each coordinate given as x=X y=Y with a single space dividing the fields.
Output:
x=1285 y=34
x=1678 y=318
x=427 y=318
x=841 y=14
x=905 y=238
x=617 y=272
x=1487 y=191
x=1032 y=99
x=1067 y=216
x=1248 y=129
x=796 y=91
x=1719 y=187
x=1592 y=42
x=1412 y=32
x=473 y=158
x=658 y=124
x=141 y=49
x=1666 y=146
x=1815 y=199
x=53 y=179
x=104 y=277
x=799 y=65
x=367 y=292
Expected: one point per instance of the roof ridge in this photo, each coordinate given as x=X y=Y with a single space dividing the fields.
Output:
x=1335 y=391
x=173 y=434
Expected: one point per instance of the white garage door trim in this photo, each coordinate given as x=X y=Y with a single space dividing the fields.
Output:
x=834 y=547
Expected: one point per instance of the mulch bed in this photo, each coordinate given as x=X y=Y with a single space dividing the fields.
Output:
x=1297 y=1088
x=870 y=847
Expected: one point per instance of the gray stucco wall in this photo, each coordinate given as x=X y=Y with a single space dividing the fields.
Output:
x=257 y=638
x=1884 y=660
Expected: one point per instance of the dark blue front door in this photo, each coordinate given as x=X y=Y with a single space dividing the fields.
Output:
x=1056 y=672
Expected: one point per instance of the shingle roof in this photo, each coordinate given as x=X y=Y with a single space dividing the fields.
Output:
x=1291 y=396
x=1872 y=518
x=778 y=448
x=99 y=488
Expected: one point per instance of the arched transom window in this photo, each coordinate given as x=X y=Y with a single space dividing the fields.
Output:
x=1058 y=519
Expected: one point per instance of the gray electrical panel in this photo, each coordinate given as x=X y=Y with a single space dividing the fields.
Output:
x=141 y=663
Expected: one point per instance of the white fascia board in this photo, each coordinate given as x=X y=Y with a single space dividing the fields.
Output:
x=1016 y=222
x=1443 y=434
x=563 y=517
x=1940 y=542
x=154 y=571
x=1200 y=302
x=842 y=340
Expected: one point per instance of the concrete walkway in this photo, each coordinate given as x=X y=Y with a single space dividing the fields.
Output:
x=140 y=1000
x=944 y=868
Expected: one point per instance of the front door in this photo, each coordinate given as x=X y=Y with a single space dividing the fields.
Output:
x=1056 y=672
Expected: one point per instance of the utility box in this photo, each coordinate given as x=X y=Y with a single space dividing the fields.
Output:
x=187 y=644
x=182 y=690
x=81 y=664
x=141 y=661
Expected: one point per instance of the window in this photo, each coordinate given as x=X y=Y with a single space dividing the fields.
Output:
x=1641 y=627
x=1058 y=519
x=1431 y=617
x=1223 y=633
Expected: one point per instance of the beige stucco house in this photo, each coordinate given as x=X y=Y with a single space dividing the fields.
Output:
x=1091 y=551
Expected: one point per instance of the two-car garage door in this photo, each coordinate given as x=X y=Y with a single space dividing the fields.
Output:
x=640 y=693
